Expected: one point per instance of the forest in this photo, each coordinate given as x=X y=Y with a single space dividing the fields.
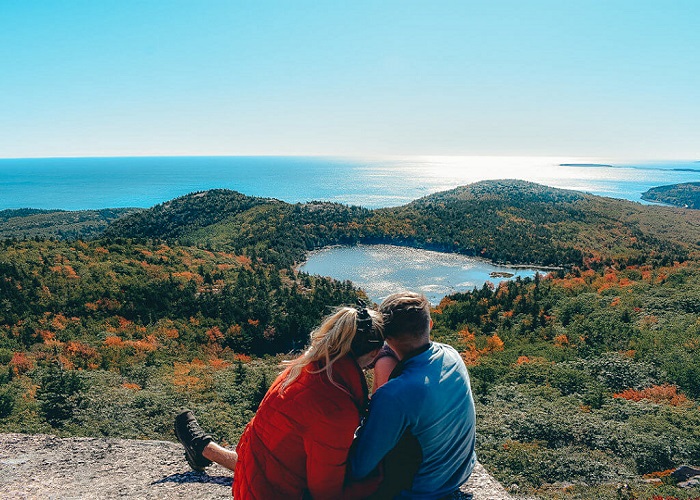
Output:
x=585 y=378
x=680 y=195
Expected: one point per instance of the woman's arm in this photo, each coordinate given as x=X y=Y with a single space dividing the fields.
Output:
x=382 y=369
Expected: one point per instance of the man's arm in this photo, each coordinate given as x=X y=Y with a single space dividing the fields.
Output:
x=378 y=434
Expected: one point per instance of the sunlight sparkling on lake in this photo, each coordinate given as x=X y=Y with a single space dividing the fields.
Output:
x=381 y=270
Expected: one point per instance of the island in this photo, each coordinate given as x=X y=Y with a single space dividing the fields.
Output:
x=501 y=274
x=584 y=165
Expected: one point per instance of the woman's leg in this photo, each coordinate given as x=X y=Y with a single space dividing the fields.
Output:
x=222 y=456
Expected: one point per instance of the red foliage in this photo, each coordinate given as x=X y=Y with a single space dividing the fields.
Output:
x=20 y=363
x=660 y=394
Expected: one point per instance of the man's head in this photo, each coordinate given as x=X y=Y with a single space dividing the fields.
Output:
x=406 y=317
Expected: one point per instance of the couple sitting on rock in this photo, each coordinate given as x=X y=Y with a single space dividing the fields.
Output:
x=312 y=436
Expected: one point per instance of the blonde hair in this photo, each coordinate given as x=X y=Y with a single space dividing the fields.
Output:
x=329 y=342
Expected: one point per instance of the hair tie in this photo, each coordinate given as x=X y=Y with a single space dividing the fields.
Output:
x=363 y=323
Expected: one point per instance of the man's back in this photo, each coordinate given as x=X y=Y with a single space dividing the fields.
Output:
x=431 y=399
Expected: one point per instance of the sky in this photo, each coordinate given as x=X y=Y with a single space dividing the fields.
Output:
x=591 y=78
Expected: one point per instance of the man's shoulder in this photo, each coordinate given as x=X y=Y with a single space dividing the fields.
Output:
x=446 y=351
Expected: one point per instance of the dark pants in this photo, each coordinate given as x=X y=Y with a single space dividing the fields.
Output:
x=399 y=465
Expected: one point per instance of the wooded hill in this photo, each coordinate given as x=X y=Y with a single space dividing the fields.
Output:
x=505 y=221
x=588 y=375
x=61 y=224
x=685 y=195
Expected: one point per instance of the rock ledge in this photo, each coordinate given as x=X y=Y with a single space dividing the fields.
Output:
x=43 y=466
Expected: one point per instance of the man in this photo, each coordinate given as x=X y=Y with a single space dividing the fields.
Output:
x=424 y=411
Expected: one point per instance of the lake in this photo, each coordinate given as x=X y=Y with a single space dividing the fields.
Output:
x=381 y=270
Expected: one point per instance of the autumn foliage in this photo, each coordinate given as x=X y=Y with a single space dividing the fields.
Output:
x=660 y=394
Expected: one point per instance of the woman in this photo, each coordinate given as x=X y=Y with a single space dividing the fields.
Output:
x=297 y=443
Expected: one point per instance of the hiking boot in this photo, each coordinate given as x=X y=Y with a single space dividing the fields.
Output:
x=193 y=438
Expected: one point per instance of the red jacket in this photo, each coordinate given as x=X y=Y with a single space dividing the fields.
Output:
x=296 y=446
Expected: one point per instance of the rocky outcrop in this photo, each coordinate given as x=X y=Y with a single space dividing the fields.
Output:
x=42 y=466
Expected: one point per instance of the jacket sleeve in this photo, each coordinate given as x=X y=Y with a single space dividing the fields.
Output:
x=378 y=434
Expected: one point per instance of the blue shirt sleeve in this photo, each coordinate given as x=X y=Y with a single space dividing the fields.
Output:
x=378 y=434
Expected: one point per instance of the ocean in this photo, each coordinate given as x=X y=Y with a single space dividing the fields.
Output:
x=92 y=183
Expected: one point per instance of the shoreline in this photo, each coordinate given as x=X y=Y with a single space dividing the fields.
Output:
x=534 y=267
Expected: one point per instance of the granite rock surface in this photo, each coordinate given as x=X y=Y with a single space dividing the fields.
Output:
x=42 y=466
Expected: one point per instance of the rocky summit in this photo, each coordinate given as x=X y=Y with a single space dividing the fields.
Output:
x=44 y=466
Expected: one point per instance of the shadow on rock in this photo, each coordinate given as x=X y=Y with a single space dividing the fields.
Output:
x=195 y=477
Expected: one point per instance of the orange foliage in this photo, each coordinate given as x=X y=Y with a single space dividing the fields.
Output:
x=123 y=322
x=494 y=343
x=147 y=344
x=660 y=474
x=183 y=378
x=20 y=363
x=445 y=302
x=660 y=394
x=605 y=286
x=244 y=260
x=66 y=363
x=80 y=350
x=66 y=271
x=571 y=283
x=46 y=335
x=253 y=322
x=170 y=333
x=131 y=386
x=466 y=336
x=59 y=322
x=114 y=341
x=523 y=359
x=218 y=364
x=470 y=356
x=243 y=358
x=190 y=276
x=615 y=302
x=215 y=334
x=188 y=382
x=561 y=340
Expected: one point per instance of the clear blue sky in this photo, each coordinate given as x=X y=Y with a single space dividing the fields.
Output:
x=611 y=78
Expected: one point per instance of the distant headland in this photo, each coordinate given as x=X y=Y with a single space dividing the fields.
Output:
x=585 y=165
x=686 y=195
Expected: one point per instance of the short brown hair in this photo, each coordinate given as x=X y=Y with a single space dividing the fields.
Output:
x=406 y=314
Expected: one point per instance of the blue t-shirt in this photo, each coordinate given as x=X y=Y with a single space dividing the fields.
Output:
x=432 y=400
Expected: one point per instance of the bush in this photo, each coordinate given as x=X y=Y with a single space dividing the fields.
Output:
x=59 y=394
x=7 y=403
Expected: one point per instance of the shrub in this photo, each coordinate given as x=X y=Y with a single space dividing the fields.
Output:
x=7 y=403
x=59 y=394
